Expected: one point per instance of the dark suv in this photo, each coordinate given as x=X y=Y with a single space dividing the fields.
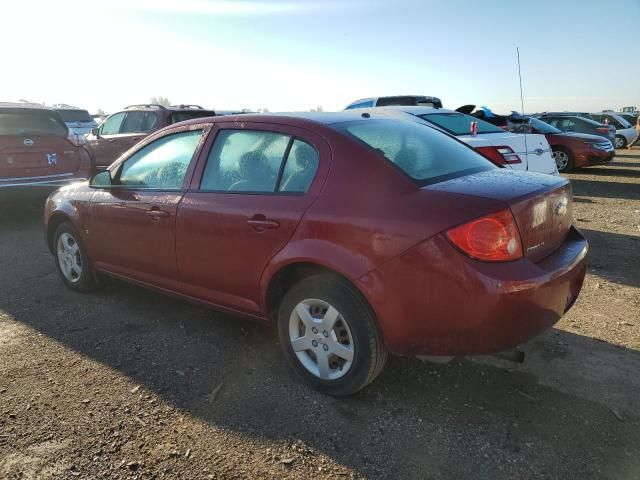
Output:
x=122 y=130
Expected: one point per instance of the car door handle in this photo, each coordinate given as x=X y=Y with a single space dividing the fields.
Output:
x=157 y=214
x=111 y=140
x=261 y=223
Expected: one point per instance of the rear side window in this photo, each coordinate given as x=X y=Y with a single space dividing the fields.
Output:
x=459 y=123
x=32 y=122
x=426 y=155
x=301 y=167
x=162 y=164
x=189 y=115
x=245 y=161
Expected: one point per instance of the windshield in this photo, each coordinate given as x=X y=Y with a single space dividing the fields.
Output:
x=75 y=115
x=541 y=127
x=459 y=123
x=425 y=154
x=31 y=122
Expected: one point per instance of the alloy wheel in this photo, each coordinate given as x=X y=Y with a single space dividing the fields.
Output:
x=321 y=339
x=619 y=142
x=562 y=159
x=69 y=257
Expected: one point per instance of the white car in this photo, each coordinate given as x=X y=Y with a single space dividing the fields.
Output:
x=517 y=151
x=626 y=133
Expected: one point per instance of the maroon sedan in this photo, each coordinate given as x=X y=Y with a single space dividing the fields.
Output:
x=37 y=150
x=356 y=235
x=572 y=150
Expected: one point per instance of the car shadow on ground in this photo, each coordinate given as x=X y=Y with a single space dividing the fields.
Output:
x=610 y=172
x=607 y=249
x=505 y=420
x=593 y=188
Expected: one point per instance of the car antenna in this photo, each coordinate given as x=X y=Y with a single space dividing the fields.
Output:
x=526 y=148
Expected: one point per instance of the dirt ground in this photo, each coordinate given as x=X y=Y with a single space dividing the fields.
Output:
x=125 y=383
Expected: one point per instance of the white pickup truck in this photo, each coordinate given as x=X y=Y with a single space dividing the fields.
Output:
x=530 y=152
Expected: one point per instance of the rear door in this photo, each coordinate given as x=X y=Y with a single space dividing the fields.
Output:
x=249 y=192
x=34 y=145
x=133 y=221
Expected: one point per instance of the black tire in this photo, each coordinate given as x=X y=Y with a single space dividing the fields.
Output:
x=623 y=142
x=369 y=351
x=570 y=163
x=86 y=281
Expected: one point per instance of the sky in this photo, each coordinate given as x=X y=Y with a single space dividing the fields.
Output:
x=288 y=55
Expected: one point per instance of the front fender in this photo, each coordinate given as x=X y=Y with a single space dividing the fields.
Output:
x=66 y=204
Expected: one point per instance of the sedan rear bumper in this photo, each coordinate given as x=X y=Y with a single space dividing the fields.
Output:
x=433 y=300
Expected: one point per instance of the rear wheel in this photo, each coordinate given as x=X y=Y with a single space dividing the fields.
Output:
x=563 y=158
x=330 y=336
x=71 y=259
x=620 y=142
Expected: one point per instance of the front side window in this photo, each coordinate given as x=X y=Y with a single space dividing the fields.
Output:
x=301 y=167
x=459 y=123
x=162 y=164
x=366 y=104
x=111 y=125
x=245 y=161
x=425 y=154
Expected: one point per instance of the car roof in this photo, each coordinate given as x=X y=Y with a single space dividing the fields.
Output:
x=293 y=118
x=172 y=108
x=23 y=105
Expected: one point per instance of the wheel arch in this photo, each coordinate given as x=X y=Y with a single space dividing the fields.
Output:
x=55 y=220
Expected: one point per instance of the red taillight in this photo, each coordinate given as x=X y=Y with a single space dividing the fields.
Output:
x=502 y=155
x=493 y=238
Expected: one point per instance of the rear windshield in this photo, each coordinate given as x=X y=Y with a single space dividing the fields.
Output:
x=30 y=122
x=459 y=123
x=190 y=115
x=75 y=115
x=425 y=154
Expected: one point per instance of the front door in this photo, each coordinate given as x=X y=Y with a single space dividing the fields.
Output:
x=246 y=200
x=133 y=221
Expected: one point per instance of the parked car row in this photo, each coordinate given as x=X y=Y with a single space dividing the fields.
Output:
x=570 y=148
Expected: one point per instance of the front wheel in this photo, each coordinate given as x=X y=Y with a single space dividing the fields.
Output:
x=620 y=142
x=329 y=335
x=72 y=260
x=563 y=158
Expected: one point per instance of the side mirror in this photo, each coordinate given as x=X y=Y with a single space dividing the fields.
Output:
x=101 y=179
x=95 y=131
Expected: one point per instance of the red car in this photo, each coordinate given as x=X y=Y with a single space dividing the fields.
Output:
x=37 y=150
x=355 y=234
x=572 y=150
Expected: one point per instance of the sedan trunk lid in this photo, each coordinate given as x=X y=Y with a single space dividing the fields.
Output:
x=541 y=204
